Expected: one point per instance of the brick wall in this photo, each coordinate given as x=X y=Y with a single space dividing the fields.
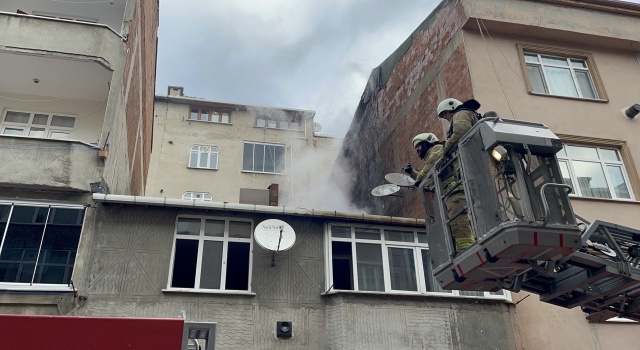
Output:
x=379 y=140
x=139 y=86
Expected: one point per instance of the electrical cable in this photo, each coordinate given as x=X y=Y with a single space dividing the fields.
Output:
x=503 y=55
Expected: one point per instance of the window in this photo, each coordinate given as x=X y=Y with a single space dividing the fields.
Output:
x=596 y=172
x=272 y=123
x=210 y=115
x=379 y=259
x=37 y=125
x=561 y=72
x=263 y=158
x=211 y=254
x=199 y=196
x=203 y=157
x=38 y=243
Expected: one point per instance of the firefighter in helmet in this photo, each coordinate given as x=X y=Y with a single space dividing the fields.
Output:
x=461 y=117
x=429 y=149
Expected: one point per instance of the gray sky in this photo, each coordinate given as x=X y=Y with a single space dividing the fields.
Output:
x=313 y=55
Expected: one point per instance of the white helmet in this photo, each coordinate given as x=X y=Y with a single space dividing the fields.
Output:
x=448 y=104
x=425 y=137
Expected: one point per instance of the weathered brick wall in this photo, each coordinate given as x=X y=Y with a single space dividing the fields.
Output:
x=139 y=86
x=379 y=140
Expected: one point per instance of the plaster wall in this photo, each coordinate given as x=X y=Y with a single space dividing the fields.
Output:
x=307 y=160
x=123 y=265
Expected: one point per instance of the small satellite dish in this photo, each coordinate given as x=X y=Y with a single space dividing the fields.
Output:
x=317 y=127
x=604 y=250
x=274 y=235
x=385 y=190
x=399 y=179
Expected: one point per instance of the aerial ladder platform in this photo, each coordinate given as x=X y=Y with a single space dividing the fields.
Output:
x=527 y=235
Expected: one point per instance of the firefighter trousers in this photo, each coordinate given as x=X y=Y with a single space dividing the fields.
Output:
x=460 y=226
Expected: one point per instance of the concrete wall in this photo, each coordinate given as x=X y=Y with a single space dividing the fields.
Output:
x=48 y=164
x=307 y=160
x=123 y=265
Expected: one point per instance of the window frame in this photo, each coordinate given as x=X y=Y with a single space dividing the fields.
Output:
x=556 y=52
x=191 y=193
x=191 y=151
x=225 y=248
x=26 y=127
x=415 y=246
x=279 y=123
x=577 y=191
x=284 y=158
x=42 y=286
x=210 y=111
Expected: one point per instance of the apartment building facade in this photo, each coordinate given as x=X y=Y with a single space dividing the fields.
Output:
x=571 y=65
x=237 y=153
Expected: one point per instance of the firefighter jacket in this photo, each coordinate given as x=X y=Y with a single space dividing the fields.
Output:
x=433 y=154
x=461 y=122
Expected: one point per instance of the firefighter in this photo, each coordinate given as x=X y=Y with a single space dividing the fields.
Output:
x=461 y=117
x=429 y=149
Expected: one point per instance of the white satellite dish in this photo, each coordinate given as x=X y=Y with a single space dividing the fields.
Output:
x=399 y=179
x=317 y=127
x=274 y=235
x=385 y=190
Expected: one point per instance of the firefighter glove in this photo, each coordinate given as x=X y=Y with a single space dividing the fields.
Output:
x=408 y=168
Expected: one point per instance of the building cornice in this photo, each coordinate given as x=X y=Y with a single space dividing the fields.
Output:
x=615 y=6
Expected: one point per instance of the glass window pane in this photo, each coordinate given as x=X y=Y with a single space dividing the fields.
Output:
x=579 y=63
x=213 y=161
x=225 y=118
x=530 y=57
x=21 y=244
x=17 y=117
x=187 y=195
x=535 y=76
x=618 y=182
x=272 y=123
x=370 y=272
x=560 y=82
x=215 y=116
x=206 y=197
x=284 y=125
x=239 y=229
x=184 y=264
x=59 y=135
x=62 y=121
x=204 y=157
x=562 y=152
x=211 y=270
x=193 y=160
x=258 y=158
x=294 y=126
x=400 y=236
x=402 y=269
x=367 y=233
x=341 y=231
x=609 y=154
x=40 y=119
x=471 y=293
x=430 y=280
x=59 y=247
x=260 y=122
x=422 y=237
x=585 y=84
x=566 y=175
x=582 y=152
x=194 y=114
x=63 y=216
x=247 y=157
x=591 y=179
x=341 y=264
x=269 y=159
x=214 y=228
x=237 y=276
x=187 y=226
x=36 y=132
x=204 y=115
x=280 y=159
x=13 y=131
x=555 y=61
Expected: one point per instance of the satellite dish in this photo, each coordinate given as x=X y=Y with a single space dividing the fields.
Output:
x=317 y=127
x=399 y=179
x=274 y=235
x=385 y=190
x=604 y=250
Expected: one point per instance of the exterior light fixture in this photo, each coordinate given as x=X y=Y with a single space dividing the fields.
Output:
x=632 y=111
x=284 y=329
x=498 y=153
x=634 y=251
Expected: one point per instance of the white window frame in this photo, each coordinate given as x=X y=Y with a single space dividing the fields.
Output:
x=563 y=156
x=26 y=127
x=284 y=157
x=41 y=286
x=199 y=151
x=194 y=196
x=569 y=66
x=288 y=124
x=225 y=247
x=417 y=255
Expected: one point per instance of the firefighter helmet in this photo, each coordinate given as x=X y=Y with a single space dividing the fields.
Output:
x=425 y=137
x=449 y=104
